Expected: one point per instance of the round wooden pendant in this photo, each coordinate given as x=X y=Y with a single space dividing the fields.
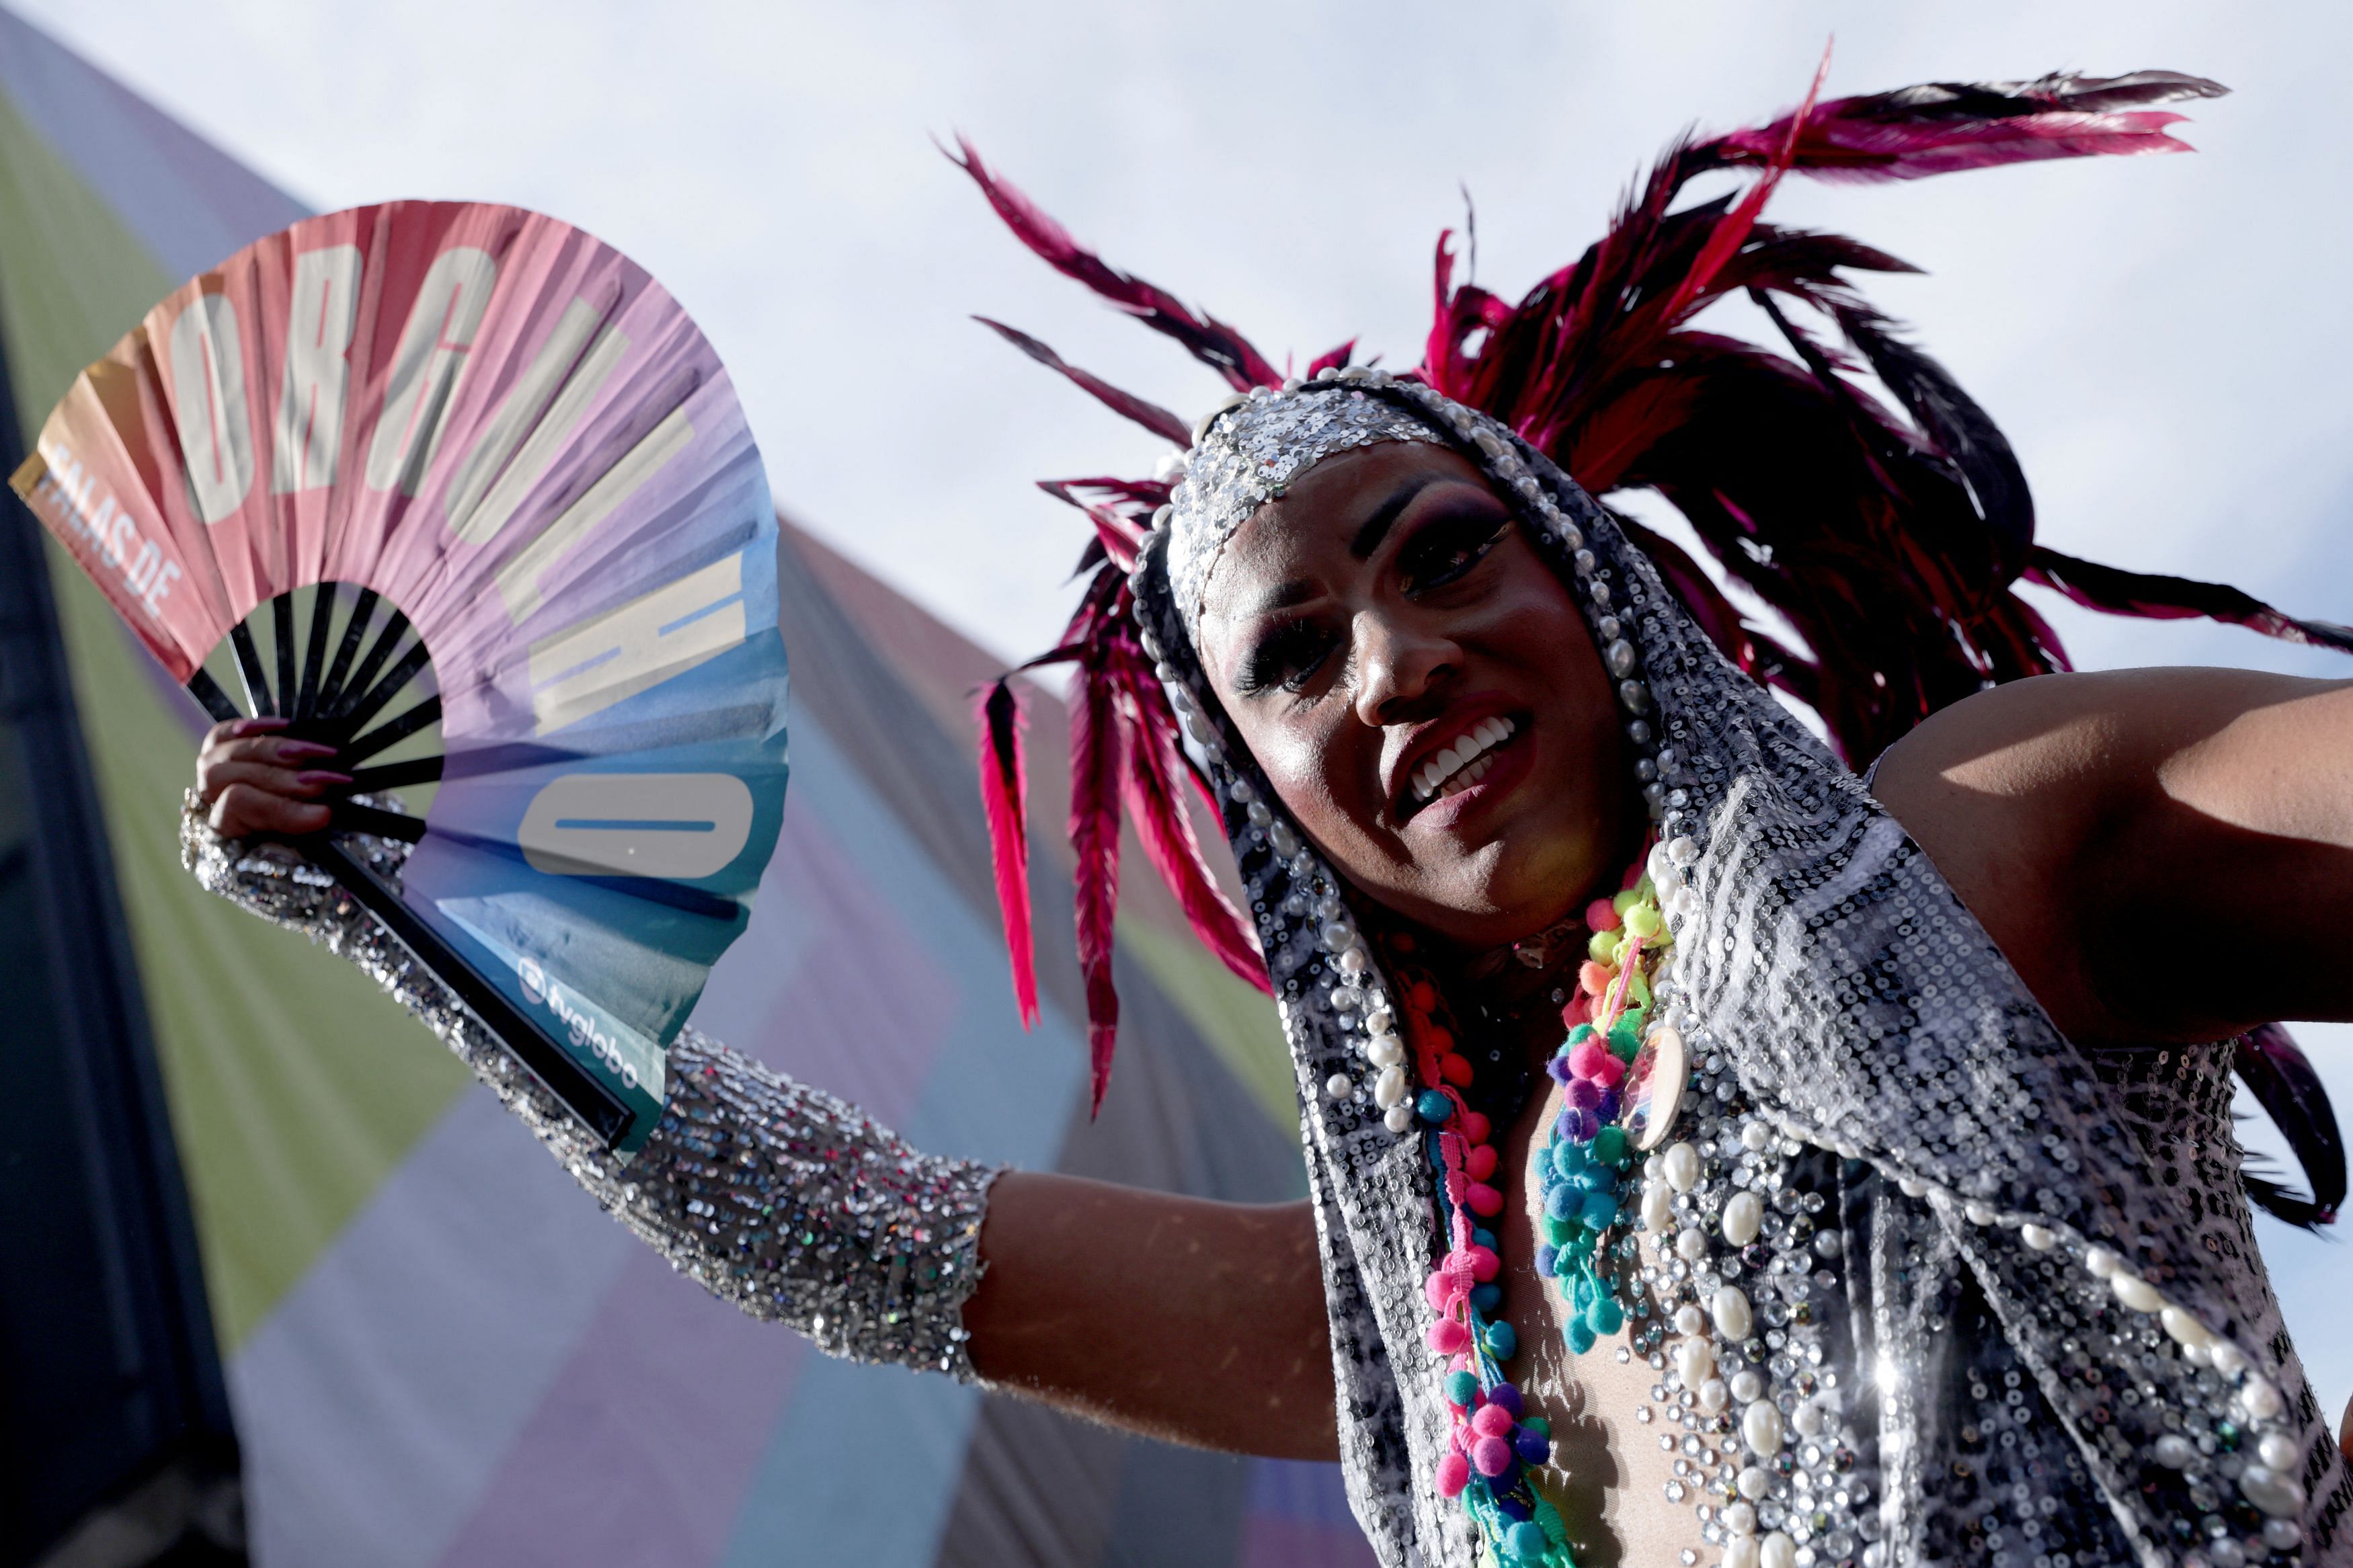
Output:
x=1655 y=1083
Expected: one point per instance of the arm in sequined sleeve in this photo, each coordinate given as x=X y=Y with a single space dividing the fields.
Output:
x=780 y=1198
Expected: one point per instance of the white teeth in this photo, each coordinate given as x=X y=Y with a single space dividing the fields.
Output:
x=1463 y=764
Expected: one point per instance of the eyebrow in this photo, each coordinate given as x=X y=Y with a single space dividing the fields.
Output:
x=1369 y=534
x=1377 y=527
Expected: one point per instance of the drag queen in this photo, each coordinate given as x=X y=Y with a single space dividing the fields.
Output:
x=1715 y=1155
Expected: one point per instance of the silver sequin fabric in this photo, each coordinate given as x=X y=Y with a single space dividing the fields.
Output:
x=1968 y=1224
x=1249 y=455
x=777 y=1197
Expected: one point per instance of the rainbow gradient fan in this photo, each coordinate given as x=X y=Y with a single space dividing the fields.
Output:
x=463 y=492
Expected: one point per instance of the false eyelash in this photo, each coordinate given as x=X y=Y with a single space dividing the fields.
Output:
x=1280 y=658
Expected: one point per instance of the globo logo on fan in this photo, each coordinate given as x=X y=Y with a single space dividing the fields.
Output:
x=581 y=1020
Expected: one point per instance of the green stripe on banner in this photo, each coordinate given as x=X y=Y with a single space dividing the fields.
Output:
x=72 y=278
x=295 y=1085
x=1237 y=1021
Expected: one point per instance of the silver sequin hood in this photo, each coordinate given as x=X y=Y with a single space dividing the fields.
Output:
x=2021 y=1335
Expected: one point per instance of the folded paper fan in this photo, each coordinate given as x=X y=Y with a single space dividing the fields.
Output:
x=463 y=492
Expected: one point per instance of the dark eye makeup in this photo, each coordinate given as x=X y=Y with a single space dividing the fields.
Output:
x=1442 y=549
x=1445 y=546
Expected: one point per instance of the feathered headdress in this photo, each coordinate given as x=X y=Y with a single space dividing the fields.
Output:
x=1889 y=539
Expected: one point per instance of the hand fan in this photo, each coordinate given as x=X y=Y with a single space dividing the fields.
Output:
x=463 y=492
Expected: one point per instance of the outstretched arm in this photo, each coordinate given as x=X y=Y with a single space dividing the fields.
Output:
x=1195 y=1321
x=2164 y=855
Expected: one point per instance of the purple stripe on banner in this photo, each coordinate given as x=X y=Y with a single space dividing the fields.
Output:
x=192 y=203
x=832 y=985
x=1299 y=1518
x=642 y=1451
x=867 y=1006
x=646 y=1445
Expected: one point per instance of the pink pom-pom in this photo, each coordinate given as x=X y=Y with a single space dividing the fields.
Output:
x=1491 y=1421
x=1492 y=1456
x=1447 y=1336
x=1585 y=1060
x=1476 y=1127
x=1484 y=1264
x=1439 y=1288
x=1579 y=1011
x=1480 y=1163
x=1483 y=1199
x=1454 y=1475
x=1602 y=915
x=1608 y=1071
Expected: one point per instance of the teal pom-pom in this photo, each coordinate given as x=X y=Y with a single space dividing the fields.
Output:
x=1461 y=1388
x=1580 y=1335
x=1526 y=1541
x=1569 y=1159
x=1486 y=1298
x=1580 y=1035
x=1623 y=1043
x=1434 y=1106
x=1483 y=1237
x=1502 y=1341
x=1606 y=1316
x=1600 y=1211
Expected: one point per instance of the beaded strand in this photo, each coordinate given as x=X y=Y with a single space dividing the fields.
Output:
x=1492 y=1442
x=1586 y=1155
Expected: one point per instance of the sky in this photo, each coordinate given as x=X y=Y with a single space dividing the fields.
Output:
x=2162 y=338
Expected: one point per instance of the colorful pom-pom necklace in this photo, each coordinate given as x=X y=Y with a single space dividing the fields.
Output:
x=1603 y=1076
x=1492 y=1443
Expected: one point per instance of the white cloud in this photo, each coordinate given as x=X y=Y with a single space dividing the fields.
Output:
x=2161 y=337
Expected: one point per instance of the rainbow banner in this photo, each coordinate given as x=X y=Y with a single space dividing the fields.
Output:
x=439 y=1353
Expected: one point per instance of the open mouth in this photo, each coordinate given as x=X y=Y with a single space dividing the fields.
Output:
x=1462 y=763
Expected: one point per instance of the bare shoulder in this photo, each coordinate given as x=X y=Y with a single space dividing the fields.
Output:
x=2052 y=804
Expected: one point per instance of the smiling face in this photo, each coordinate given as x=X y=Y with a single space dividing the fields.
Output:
x=1422 y=693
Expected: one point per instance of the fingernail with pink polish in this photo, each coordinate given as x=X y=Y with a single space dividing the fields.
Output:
x=317 y=777
x=291 y=749
x=258 y=725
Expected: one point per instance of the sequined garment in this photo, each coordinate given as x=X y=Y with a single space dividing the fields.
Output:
x=775 y=1196
x=1263 y=445
x=2005 y=1304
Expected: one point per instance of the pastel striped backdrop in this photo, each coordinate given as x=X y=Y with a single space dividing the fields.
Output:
x=440 y=1353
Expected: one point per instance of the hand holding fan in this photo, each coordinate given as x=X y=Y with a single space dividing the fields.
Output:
x=462 y=492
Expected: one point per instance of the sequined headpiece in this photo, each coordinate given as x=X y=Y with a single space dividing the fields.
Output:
x=1890 y=538
x=1249 y=452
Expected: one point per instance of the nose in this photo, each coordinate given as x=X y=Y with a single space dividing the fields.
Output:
x=1401 y=668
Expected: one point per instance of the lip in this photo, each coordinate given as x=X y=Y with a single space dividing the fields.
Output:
x=1435 y=735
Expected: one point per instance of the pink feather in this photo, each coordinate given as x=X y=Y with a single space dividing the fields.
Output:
x=1004 y=791
x=1149 y=414
x=1732 y=229
x=1095 y=770
x=1209 y=340
x=1939 y=128
x=1143 y=495
x=1331 y=359
x=1157 y=805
